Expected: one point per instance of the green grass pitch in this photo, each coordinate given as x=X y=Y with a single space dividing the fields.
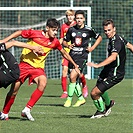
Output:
x=51 y=117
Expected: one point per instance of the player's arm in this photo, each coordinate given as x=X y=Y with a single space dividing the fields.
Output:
x=36 y=49
x=97 y=42
x=67 y=39
x=107 y=61
x=68 y=57
x=14 y=35
x=70 y=46
x=129 y=46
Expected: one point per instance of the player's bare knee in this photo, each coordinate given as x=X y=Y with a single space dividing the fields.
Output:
x=41 y=86
x=93 y=94
x=64 y=73
x=12 y=93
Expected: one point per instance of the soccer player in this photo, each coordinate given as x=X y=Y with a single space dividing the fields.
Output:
x=70 y=15
x=9 y=69
x=113 y=71
x=32 y=65
x=79 y=35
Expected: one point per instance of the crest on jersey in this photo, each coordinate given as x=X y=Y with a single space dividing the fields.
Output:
x=78 y=41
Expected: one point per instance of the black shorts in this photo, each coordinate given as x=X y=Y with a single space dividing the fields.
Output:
x=104 y=84
x=80 y=63
x=9 y=76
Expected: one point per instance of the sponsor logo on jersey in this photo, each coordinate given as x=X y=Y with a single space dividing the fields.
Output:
x=84 y=35
x=73 y=34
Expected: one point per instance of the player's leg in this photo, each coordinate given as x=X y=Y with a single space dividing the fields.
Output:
x=110 y=82
x=74 y=87
x=10 y=100
x=99 y=95
x=108 y=103
x=76 y=78
x=104 y=95
x=71 y=88
x=98 y=102
x=64 y=78
x=78 y=92
x=84 y=85
x=41 y=82
x=64 y=81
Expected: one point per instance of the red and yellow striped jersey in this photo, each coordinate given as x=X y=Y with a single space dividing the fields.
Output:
x=37 y=38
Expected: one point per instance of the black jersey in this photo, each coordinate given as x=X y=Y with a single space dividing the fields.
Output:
x=7 y=60
x=117 y=44
x=81 y=38
x=9 y=69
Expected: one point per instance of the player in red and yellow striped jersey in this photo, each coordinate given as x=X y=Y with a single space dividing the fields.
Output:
x=70 y=15
x=32 y=64
x=9 y=68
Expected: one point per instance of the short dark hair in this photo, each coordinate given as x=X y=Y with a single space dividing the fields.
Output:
x=80 y=12
x=53 y=23
x=107 y=22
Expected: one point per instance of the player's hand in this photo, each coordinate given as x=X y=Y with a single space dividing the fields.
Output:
x=77 y=69
x=38 y=50
x=89 y=49
x=71 y=46
x=91 y=64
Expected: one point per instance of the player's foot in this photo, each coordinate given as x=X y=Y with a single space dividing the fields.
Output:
x=64 y=95
x=26 y=113
x=3 y=116
x=98 y=114
x=108 y=108
x=85 y=91
x=79 y=103
x=67 y=103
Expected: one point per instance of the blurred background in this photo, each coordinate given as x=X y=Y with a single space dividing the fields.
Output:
x=17 y=15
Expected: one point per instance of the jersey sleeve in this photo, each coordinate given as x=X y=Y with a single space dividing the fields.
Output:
x=58 y=45
x=27 y=33
x=93 y=33
x=124 y=41
x=117 y=45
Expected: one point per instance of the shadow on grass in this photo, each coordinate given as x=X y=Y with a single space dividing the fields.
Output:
x=61 y=116
x=50 y=96
x=73 y=116
x=58 y=105
x=85 y=116
x=18 y=118
x=14 y=118
x=24 y=119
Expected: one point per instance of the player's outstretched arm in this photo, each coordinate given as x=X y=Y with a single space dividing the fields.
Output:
x=14 y=35
x=107 y=61
x=36 y=49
